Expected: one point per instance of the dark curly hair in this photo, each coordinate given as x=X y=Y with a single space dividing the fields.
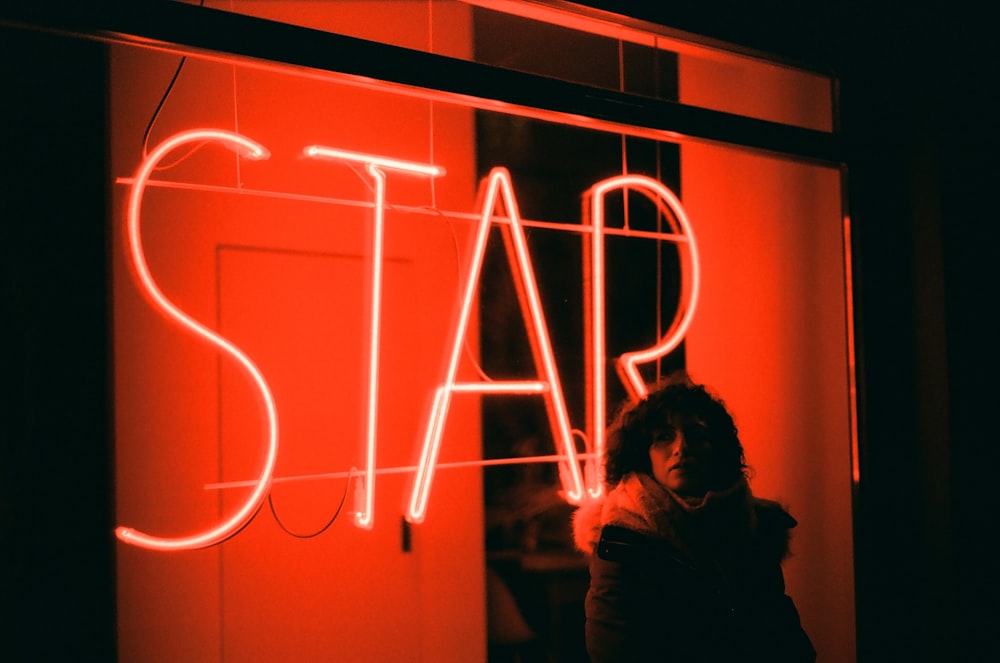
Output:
x=637 y=424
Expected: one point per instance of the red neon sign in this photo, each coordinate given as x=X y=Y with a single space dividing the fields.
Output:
x=497 y=192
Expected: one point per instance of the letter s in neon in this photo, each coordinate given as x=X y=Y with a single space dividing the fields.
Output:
x=215 y=535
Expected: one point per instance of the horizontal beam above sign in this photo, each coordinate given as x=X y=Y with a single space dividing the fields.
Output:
x=194 y=30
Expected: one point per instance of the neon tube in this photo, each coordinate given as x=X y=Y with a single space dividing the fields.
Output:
x=229 y=527
x=335 y=154
x=364 y=515
x=627 y=364
x=498 y=183
x=507 y=387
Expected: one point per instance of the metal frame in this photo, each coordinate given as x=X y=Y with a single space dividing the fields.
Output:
x=175 y=26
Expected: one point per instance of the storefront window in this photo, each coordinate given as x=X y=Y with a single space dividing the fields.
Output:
x=364 y=371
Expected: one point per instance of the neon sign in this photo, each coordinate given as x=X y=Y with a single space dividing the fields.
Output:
x=498 y=192
x=251 y=150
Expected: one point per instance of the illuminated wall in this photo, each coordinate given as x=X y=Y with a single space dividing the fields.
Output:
x=275 y=256
x=772 y=332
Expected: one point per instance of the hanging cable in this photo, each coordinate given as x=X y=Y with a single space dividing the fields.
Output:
x=159 y=107
x=163 y=99
x=336 y=514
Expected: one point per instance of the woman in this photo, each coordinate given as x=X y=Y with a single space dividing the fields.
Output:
x=685 y=562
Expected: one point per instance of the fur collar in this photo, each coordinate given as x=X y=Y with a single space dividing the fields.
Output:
x=706 y=526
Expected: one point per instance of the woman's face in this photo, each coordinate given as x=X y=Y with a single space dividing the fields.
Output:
x=681 y=457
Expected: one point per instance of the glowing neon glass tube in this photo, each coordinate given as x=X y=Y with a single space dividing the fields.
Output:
x=628 y=363
x=372 y=160
x=364 y=515
x=498 y=185
x=233 y=524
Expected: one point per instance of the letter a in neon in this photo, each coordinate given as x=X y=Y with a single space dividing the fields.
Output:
x=498 y=186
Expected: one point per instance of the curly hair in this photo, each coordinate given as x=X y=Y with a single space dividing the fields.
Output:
x=637 y=424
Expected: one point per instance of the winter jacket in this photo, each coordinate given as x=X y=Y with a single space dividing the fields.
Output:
x=688 y=581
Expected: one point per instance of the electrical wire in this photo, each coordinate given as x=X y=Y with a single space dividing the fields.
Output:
x=163 y=99
x=159 y=107
x=333 y=518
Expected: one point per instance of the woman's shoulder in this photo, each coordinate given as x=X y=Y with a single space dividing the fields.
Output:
x=622 y=544
x=774 y=525
x=587 y=526
x=774 y=512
